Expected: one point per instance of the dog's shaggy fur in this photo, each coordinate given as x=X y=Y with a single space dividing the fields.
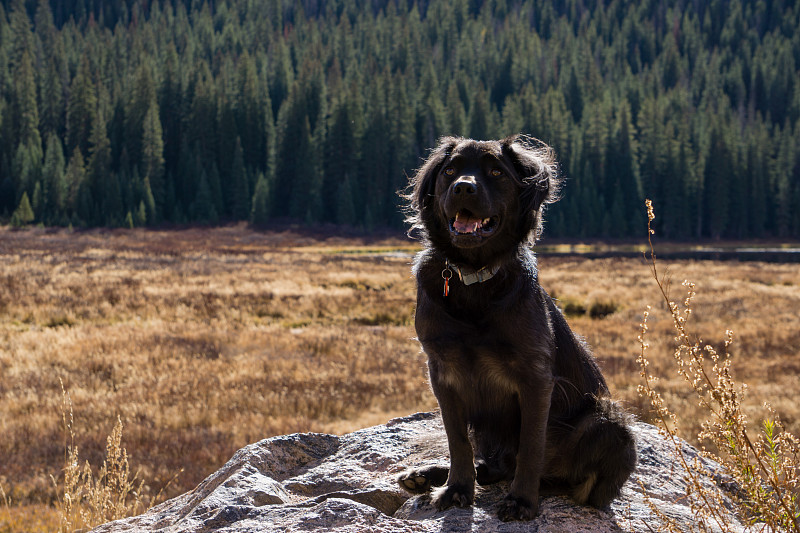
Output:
x=521 y=397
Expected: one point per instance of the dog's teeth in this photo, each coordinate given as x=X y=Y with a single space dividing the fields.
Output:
x=485 y=220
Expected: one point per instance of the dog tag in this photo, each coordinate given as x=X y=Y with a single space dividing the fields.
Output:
x=446 y=275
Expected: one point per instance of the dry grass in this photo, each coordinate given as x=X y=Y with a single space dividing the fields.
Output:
x=87 y=499
x=202 y=341
x=761 y=466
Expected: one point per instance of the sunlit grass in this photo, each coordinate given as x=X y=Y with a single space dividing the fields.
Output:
x=203 y=341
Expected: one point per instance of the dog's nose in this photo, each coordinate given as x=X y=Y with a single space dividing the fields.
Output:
x=465 y=186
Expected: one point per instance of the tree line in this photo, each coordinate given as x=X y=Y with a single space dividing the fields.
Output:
x=140 y=112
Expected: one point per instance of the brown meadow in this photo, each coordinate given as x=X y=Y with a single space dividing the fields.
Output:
x=204 y=340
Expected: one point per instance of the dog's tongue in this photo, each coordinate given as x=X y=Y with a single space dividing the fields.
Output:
x=465 y=223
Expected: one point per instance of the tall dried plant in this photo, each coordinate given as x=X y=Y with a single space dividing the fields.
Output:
x=85 y=499
x=763 y=464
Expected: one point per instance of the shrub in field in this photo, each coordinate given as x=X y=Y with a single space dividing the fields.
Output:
x=24 y=213
x=762 y=465
x=86 y=499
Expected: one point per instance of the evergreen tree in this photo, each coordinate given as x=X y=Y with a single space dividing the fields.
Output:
x=239 y=182
x=673 y=197
x=716 y=186
x=341 y=157
x=652 y=153
x=281 y=76
x=574 y=96
x=52 y=115
x=149 y=203
x=100 y=204
x=226 y=145
x=45 y=26
x=152 y=150
x=26 y=166
x=81 y=109
x=345 y=208
x=141 y=215
x=112 y=201
x=253 y=110
x=24 y=213
x=739 y=200
x=21 y=36
x=781 y=179
x=189 y=166
x=51 y=85
x=404 y=153
x=74 y=178
x=55 y=184
x=140 y=102
x=26 y=102
x=757 y=171
x=203 y=208
x=36 y=200
x=595 y=142
x=296 y=175
x=171 y=115
x=456 y=115
x=374 y=165
x=202 y=125
x=480 y=116
x=431 y=121
x=260 y=213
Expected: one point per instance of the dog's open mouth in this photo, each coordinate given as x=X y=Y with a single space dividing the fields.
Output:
x=466 y=223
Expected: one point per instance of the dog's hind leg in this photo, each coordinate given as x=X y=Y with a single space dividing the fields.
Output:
x=619 y=460
x=596 y=456
x=419 y=480
x=604 y=456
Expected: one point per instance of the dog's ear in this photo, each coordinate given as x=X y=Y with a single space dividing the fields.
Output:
x=537 y=170
x=422 y=185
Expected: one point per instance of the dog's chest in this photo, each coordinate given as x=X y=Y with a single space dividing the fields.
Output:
x=482 y=372
x=483 y=336
x=483 y=354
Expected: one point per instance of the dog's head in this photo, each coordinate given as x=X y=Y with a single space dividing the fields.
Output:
x=483 y=197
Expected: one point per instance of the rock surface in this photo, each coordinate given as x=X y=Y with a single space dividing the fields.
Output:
x=316 y=482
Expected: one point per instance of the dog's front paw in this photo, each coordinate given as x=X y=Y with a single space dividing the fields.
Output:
x=414 y=482
x=458 y=495
x=419 y=480
x=513 y=508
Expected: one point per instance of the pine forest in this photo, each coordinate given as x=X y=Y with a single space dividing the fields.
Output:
x=123 y=113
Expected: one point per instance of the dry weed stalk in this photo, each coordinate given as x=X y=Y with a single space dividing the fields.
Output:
x=87 y=500
x=6 y=505
x=764 y=467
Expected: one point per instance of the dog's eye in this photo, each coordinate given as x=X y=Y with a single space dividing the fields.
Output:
x=495 y=172
x=449 y=171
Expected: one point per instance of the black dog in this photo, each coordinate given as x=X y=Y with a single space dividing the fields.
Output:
x=521 y=396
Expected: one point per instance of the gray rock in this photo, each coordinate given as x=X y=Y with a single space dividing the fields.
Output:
x=315 y=482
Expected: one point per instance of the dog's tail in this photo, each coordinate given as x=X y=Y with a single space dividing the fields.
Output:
x=607 y=453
